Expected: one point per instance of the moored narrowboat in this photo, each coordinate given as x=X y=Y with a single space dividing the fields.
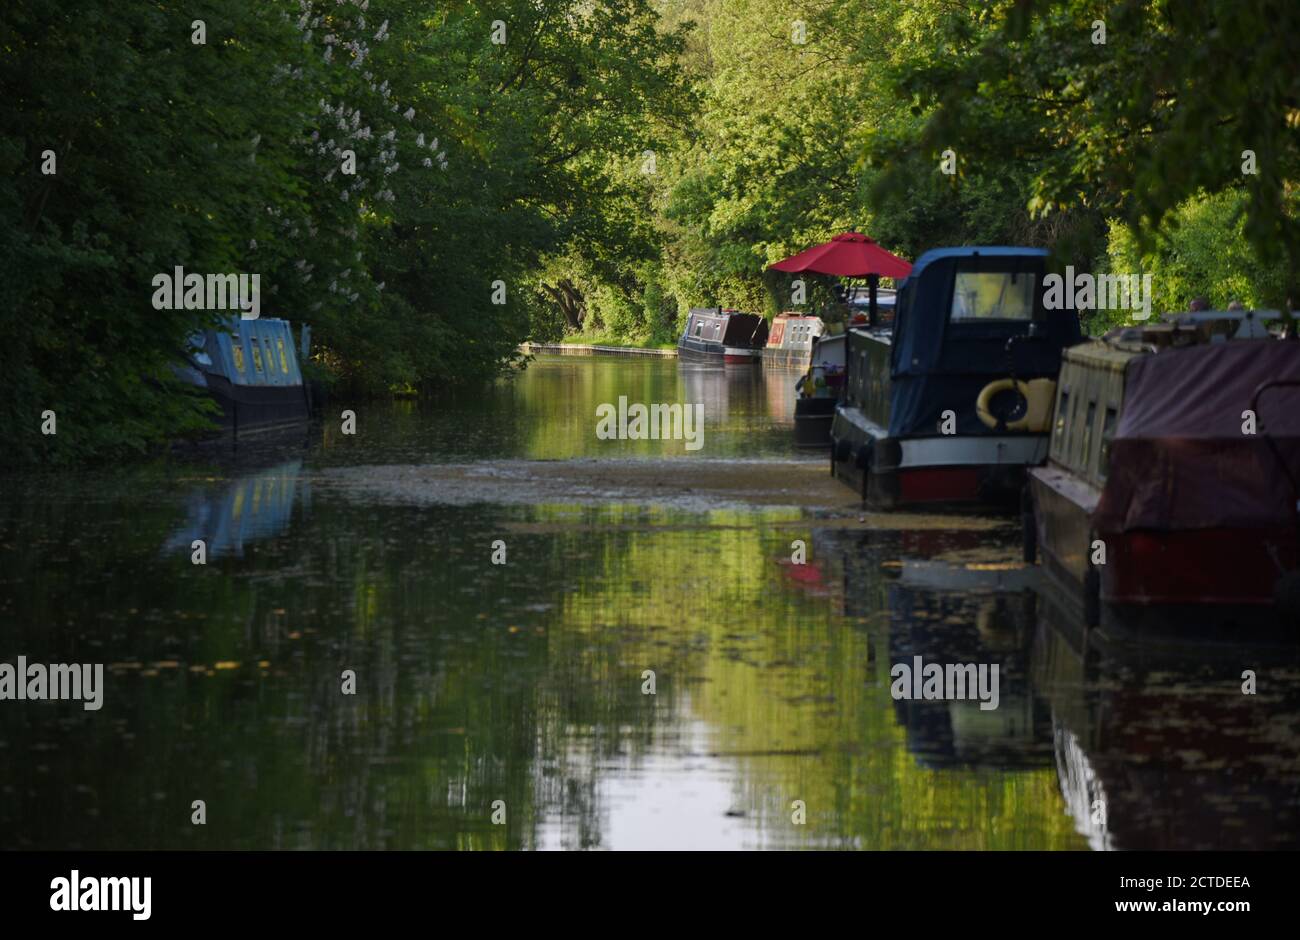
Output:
x=819 y=391
x=790 y=339
x=250 y=368
x=713 y=334
x=952 y=401
x=1172 y=473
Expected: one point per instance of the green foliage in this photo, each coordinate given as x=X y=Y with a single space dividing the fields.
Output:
x=474 y=162
x=1133 y=127
x=1204 y=253
x=612 y=164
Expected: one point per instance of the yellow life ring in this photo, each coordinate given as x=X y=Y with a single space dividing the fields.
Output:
x=1039 y=394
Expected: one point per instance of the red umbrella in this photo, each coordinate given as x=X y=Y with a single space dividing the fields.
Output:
x=851 y=254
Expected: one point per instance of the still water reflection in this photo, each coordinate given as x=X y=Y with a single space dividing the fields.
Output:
x=523 y=682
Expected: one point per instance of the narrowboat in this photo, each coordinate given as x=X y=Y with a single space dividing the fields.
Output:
x=790 y=340
x=858 y=300
x=819 y=391
x=952 y=401
x=1171 y=478
x=250 y=368
x=713 y=334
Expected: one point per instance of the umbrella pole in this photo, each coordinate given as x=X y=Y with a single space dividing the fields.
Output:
x=873 y=281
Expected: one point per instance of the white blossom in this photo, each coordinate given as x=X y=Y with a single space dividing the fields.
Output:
x=409 y=113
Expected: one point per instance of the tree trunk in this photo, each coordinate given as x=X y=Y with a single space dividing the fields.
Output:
x=570 y=301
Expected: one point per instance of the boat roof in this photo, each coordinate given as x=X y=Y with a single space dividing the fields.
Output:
x=970 y=251
x=1101 y=354
x=719 y=312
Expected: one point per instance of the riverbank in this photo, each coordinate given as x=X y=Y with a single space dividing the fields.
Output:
x=589 y=349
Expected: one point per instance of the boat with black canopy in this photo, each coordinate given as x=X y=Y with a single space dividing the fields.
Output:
x=952 y=401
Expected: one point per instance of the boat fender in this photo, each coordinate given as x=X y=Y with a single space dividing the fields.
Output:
x=1042 y=399
x=1039 y=395
x=863 y=457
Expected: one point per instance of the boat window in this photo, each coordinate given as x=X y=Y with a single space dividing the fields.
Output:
x=1062 y=413
x=1086 y=456
x=1072 y=441
x=270 y=356
x=1107 y=432
x=284 y=359
x=257 y=356
x=237 y=351
x=993 y=295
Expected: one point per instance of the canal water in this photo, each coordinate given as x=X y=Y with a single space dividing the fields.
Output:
x=647 y=667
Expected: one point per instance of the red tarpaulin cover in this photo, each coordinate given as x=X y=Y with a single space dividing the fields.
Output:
x=1179 y=459
x=848 y=255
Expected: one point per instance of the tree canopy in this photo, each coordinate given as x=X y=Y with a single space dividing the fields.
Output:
x=429 y=183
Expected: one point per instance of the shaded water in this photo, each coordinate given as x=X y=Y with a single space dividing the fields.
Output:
x=523 y=682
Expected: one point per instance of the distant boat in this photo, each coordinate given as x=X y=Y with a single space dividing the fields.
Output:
x=814 y=407
x=250 y=368
x=713 y=334
x=790 y=339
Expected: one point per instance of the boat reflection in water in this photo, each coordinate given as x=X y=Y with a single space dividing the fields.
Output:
x=1155 y=744
x=254 y=506
x=950 y=600
x=1158 y=747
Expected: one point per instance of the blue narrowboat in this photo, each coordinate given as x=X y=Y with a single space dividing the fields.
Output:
x=952 y=401
x=250 y=368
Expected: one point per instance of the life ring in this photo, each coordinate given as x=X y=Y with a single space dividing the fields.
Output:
x=1039 y=394
x=986 y=397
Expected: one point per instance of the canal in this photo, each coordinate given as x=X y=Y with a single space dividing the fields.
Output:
x=563 y=641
